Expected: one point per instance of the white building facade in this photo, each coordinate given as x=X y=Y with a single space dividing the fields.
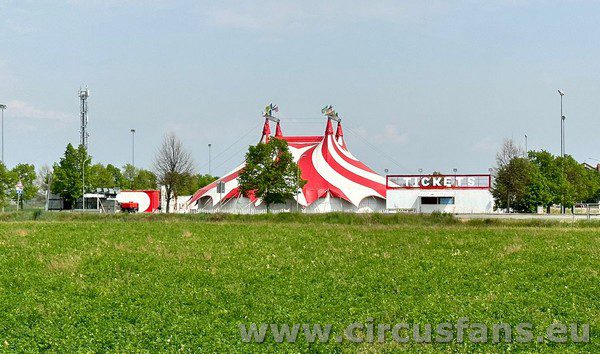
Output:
x=456 y=194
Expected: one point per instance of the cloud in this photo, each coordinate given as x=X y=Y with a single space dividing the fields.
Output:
x=17 y=27
x=485 y=144
x=118 y=2
x=285 y=15
x=22 y=109
x=390 y=134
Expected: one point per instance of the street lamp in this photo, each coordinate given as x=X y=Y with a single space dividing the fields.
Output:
x=562 y=147
x=562 y=125
x=526 y=150
x=209 y=158
x=133 y=147
x=2 y=107
x=83 y=181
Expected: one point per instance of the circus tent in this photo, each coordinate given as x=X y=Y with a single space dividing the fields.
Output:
x=336 y=180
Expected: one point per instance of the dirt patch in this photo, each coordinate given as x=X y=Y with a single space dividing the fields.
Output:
x=22 y=232
x=121 y=247
x=512 y=248
x=64 y=262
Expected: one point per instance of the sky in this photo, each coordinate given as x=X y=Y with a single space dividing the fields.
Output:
x=432 y=85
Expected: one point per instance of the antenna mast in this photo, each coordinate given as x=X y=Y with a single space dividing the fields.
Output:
x=83 y=116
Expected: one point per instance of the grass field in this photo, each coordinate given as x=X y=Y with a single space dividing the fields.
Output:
x=73 y=283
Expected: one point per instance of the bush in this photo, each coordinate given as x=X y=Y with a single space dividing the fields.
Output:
x=37 y=214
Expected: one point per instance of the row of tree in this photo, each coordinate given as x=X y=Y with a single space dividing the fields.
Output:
x=525 y=181
x=76 y=173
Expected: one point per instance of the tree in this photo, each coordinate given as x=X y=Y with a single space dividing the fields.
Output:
x=129 y=174
x=270 y=173
x=509 y=151
x=6 y=184
x=25 y=173
x=117 y=177
x=542 y=180
x=44 y=179
x=68 y=174
x=189 y=184
x=172 y=164
x=145 y=179
x=107 y=176
x=138 y=178
x=538 y=193
x=204 y=180
x=511 y=185
x=581 y=183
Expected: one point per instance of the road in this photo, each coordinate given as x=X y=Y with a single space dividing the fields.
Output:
x=527 y=216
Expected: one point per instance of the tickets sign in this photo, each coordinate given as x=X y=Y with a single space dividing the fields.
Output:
x=472 y=181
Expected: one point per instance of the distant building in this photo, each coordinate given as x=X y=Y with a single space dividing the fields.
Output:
x=590 y=167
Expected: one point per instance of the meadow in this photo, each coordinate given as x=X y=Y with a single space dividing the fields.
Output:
x=162 y=283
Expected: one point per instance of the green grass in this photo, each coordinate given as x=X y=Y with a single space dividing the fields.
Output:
x=129 y=283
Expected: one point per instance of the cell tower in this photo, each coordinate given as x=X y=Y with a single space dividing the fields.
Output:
x=83 y=115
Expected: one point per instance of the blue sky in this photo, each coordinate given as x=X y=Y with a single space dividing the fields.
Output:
x=419 y=84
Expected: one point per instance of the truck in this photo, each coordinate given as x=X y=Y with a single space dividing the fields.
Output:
x=139 y=201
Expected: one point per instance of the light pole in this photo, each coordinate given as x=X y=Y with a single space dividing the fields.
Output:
x=48 y=191
x=133 y=147
x=562 y=148
x=455 y=180
x=562 y=125
x=132 y=156
x=2 y=107
x=526 y=150
x=209 y=158
x=83 y=182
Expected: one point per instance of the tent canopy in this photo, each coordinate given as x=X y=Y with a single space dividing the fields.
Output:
x=325 y=163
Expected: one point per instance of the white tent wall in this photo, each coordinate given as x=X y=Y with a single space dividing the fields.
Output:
x=327 y=204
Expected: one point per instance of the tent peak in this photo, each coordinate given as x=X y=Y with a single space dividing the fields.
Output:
x=278 y=133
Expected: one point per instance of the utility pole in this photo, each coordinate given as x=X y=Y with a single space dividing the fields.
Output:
x=209 y=162
x=562 y=125
x=48 y=191
x=85 y=160
x=133 y=147
x=562 y=148
x=132 y=156
x=2 y=107
x=83 y=186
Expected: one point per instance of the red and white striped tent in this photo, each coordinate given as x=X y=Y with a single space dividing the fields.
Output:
x=336 y=180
